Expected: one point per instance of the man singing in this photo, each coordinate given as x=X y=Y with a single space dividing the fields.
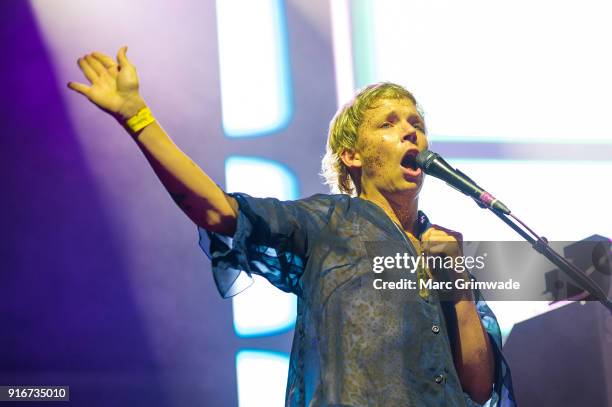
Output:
x=354 y=345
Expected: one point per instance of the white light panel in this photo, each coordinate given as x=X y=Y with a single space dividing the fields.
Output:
x=343 y=53
x=492 y=70
x=561 y=200
x=261 y=378
x=254 y=67
x=262 y=309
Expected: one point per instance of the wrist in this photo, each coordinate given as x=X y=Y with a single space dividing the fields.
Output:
x=130 y=108
x=139 y=121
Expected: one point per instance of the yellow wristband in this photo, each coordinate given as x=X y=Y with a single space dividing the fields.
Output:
x=140 y=120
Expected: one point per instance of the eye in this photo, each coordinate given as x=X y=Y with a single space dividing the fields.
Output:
x=385 y=125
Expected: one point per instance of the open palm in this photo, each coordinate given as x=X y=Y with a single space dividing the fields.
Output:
x=114 y=85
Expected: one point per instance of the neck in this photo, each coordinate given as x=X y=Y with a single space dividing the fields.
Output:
x=402 y=208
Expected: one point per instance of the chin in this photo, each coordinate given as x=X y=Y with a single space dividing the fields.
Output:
x=408 y=188
x=413 y=183
x=413 y=187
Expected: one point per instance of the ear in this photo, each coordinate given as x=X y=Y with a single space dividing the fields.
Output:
x=351 y=158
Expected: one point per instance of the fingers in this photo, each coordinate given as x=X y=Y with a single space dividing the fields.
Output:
x=438 y=248
x=122 y=57
x=436 y=232
x=104 y=59
x=436 y=236
x=79 y=87
x=88 y=71
x=440 y=241
x=96 y=65
x=434 y=239
x=109 y=63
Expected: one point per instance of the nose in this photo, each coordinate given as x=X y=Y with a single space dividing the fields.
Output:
x=410 y=134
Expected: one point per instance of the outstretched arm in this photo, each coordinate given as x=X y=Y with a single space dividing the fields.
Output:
x=114 y=89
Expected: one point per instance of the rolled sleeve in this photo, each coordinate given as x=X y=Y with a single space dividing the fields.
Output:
x=226 y=254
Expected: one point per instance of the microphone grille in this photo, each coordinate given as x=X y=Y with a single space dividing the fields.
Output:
x=424 y=158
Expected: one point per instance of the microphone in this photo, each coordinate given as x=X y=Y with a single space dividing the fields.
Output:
x=434 y=165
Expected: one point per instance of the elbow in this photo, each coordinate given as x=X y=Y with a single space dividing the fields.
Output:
x=218 y=222
x=477 y=378
x=481 y=394
x=480 y=385
x=219 y=216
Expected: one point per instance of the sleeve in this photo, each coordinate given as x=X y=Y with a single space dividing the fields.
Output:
x=272 y=239
x=503 y=394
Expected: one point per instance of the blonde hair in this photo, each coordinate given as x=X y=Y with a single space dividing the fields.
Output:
x=343 y=130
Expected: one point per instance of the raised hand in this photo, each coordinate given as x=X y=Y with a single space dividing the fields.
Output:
x=445 y=243
x=114 y=85
x=114 y=89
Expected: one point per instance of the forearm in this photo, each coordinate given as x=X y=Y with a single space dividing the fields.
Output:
x=473 y=354
x=194 y=192
x=115 y=89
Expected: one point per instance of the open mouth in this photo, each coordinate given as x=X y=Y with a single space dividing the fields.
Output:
x=409 y=163
x=409 y=160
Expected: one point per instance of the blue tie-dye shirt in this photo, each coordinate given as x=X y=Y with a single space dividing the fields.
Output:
x=353 y=345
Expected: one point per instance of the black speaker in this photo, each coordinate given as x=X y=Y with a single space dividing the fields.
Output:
x=563 y=358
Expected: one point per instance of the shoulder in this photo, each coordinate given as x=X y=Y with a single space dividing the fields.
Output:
x=340 y=204
x=324 y=200
x=321 y=205
x=317 y=206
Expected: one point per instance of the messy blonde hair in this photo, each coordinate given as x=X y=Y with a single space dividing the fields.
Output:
x=343 y=130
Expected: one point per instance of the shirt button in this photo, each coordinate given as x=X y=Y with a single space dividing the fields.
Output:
x=439 y=378
x=435 y=329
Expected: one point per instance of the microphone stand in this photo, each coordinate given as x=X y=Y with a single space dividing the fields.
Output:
x=431 y=163
x=540 y=244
